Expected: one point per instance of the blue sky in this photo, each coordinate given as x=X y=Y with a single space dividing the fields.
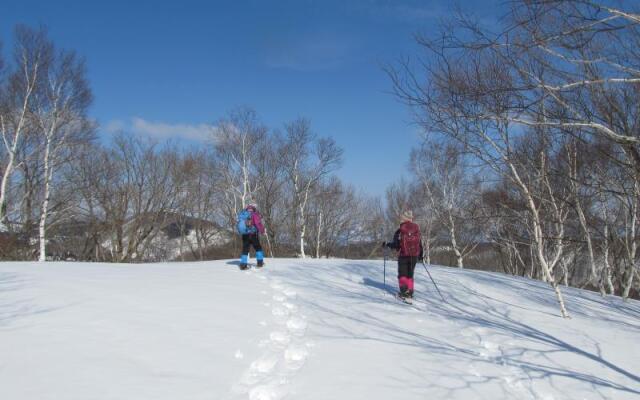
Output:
x=167 y=69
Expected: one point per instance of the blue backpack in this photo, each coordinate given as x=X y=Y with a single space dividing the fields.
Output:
x=245 y=223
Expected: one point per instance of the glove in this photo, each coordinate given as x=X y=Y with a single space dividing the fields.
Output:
x=384 y=244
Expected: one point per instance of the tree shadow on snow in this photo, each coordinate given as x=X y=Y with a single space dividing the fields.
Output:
x=13 y=309
x=583 y=303
x=536 y=354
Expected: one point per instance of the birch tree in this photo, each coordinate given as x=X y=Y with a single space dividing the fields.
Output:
x=270 y=171
x=308 y=161
x=238 y=140
x=335 y=215
x=451 y=193
x=60 y=115
x=32 y=55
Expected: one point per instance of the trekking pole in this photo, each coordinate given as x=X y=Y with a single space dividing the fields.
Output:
x=434 y=282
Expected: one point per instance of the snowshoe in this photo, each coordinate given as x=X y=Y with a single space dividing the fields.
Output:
x=244 y=266
x=403 y=297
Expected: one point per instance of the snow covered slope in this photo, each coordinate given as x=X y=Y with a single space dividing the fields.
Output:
x=304 y=329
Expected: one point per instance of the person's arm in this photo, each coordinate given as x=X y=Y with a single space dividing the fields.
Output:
x=395 y=244
x=257 y=222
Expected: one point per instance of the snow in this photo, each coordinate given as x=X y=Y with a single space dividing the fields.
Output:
x=304 y=329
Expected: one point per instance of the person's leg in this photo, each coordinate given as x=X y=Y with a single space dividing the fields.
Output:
x=411 y=270
x=244 y=256
x=258 y=247
x=403 y=272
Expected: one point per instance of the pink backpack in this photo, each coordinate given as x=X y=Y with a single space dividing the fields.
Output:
x=410 y=239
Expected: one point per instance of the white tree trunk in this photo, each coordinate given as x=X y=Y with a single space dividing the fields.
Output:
x=454 y=243
x=587 y=234
x=48 y=173
x=628 y=284
x=318 y=236
x=3 y=189
x=266 y=234
x=428 y=255
x=12 y=148
x=539 y=240
x=631 y=241
x=631 y=258
x=545 y=266
x=303 y=230
x=303 y=219
x=607 y=270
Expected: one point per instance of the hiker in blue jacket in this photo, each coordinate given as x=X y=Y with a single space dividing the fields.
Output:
x=250 y=227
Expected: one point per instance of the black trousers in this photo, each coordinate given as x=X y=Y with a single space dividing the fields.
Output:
x=406 y=266
x=251 y=239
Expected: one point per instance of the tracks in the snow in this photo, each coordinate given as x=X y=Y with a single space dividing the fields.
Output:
x=284 y=348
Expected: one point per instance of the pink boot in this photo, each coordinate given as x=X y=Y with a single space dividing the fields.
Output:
x=403 y=283
x=410 y=286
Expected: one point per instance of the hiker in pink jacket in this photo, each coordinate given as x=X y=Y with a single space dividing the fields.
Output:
x=250 y=227
x=407 y=241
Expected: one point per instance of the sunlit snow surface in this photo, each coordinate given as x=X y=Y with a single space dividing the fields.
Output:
x=304 y=329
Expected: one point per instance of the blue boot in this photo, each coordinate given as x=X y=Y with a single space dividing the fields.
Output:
x=244 y=260
x=260 y=258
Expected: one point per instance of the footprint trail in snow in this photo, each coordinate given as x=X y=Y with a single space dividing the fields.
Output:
x=285 y=349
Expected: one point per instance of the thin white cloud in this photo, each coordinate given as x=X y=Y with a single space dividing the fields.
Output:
x=162 y=130
x=308 y=52
x=411 y=11
x=115 y=126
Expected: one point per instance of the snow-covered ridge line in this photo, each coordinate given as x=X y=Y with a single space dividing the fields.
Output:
x=312 y=329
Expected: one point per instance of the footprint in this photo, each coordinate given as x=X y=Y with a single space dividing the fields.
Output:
x=280 y=312
x=265 y=392
x=263 y=365
x=473 y=371
x=285 y=350
x=290 y=293
x=297 y=326
x=280 y=338
x=295 y=356
x=489 y=349
x=291 y=307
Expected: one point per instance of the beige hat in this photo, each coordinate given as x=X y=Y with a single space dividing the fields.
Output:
x=407 y=215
